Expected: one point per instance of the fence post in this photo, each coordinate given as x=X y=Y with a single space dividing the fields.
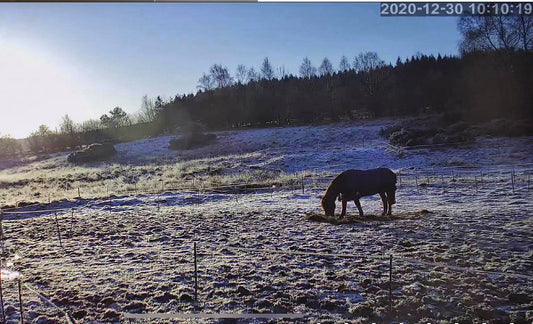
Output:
x=2 y=232
x=58 y=230
x=512 y=179
x=2 y=297
x=71 y=221
x=303 y=186
x=390 y=283
x=20 y=301
x=1 y=290
x=195 y=274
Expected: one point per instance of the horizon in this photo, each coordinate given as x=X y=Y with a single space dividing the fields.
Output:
x=83 y=59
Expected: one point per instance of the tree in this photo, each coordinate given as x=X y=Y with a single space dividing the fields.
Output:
x=482 y=33
x=117 y=118
x=325 y=68
x=90 y=125
x=9 y=146
x=148 y=112
x=307 y=70
x=252 y=75
x=344 y=66
x=43 y=131
x=242 y=74
x=267 y=72
x=205 y=83
x=282 y=72
x=220 y=76
x=524 y=27
x=67 y=125
x=368 y=61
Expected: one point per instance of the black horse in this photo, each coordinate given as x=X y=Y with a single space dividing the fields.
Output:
x=354 y=184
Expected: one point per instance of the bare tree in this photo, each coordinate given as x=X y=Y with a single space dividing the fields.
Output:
x=367 y=61
x=252 y=75
x=282 y=72
x=325 y=68
x=524 y=28
x=220 y=76
x=307 y=70
x=481 y=33
x=205 y=83
x=267 y=72
x=344 y=65
x=242 y=74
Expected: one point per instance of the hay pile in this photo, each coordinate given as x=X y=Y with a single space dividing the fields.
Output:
x=321 y=218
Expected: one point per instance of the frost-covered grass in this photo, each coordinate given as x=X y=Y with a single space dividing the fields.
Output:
x=258 y=252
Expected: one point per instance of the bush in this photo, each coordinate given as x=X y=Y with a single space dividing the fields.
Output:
x=93 y=152
x=9 y=147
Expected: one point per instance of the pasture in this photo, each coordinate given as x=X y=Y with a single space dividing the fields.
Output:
x=460 y=234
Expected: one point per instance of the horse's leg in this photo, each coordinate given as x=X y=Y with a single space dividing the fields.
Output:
x=384 y=201
x=343 y=212
x=358 y=205
x=391 y=199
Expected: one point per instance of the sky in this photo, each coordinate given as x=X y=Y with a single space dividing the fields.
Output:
x=83 y=59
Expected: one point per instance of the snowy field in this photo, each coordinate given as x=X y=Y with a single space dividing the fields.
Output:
x=460 y=237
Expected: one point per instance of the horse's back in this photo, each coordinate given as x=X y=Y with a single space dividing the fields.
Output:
x=368 y=182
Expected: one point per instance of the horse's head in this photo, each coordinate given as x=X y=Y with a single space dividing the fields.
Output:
x=328 y=205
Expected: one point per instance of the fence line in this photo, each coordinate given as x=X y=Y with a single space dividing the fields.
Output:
x=294 y=182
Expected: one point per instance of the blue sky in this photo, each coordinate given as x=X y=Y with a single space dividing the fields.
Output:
x=83 y=59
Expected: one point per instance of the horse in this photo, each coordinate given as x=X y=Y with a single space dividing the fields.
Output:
x=354 y=184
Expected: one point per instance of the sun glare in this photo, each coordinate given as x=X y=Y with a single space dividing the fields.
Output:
x=36 y=90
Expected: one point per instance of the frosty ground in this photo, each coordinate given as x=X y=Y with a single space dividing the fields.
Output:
x=467 y=206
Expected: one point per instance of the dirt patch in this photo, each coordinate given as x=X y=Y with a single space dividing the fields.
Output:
x=321 y=218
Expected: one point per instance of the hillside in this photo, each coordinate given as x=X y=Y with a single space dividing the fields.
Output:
x=459 y=236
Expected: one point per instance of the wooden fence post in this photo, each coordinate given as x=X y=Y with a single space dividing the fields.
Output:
x=20 y=302
x=58 y=230
x=390 y=283
x=2 y=232
x=1 y=289
x=71 y=221
x=195 y=274
x=2 y=297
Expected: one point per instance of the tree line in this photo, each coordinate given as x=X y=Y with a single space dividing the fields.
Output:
x=492 y=78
